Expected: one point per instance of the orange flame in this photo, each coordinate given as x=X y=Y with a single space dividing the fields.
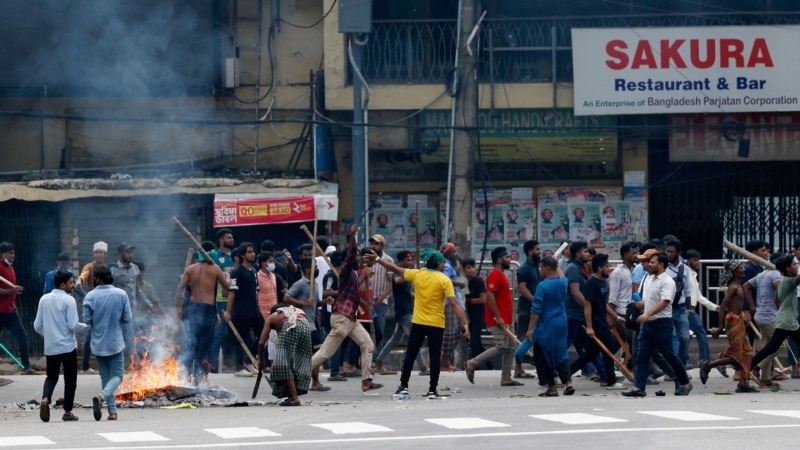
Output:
x=147 y=376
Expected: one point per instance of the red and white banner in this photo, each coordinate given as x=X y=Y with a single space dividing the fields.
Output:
x=232 y=210
x=685 y=70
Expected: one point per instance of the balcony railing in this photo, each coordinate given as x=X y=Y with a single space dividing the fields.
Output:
x=511 y=50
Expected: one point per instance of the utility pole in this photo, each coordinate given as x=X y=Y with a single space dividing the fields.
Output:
x=464 y=143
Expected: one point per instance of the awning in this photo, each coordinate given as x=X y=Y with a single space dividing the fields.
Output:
x=231 y=210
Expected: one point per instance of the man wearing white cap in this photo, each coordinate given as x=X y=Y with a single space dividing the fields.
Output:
x=381 y=287
x=86 y=283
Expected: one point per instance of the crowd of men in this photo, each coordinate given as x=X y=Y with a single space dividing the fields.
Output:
x=329 y=308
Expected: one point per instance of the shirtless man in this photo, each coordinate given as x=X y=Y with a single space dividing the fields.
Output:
x=202 y=277
x=739 y=353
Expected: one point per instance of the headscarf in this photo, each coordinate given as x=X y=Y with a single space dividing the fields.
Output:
x=290 y=312
x=727 y=274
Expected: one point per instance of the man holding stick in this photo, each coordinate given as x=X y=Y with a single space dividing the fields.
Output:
x=498 y=312
x=9 y=317
x=343 y=318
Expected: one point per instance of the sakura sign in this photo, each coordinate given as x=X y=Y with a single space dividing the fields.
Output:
x=685 y=70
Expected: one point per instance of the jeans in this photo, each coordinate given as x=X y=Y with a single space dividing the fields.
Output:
x=502 y=346
x=696 y=325
x=680 y=339
x=341 y=327
x=87 y=351
x=593 y=351
x=111 y=371
x=417 y=335
x=13 y=323
x=54 y=363
x=656 y=336
x=380 y=325
x=401 y=329
x=202 y=320
x=220 y=337
x=523 y=320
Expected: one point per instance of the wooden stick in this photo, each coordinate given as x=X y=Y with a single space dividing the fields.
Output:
x=188 y=261
x=194 y=241
x=416 y=227
x=8 y=283
x=622 y=343
x=241 y=342
x=319 y=249
x=747 y=255
x=775 y=360
x=560 y=250
x=514 y=338
x=605 y=350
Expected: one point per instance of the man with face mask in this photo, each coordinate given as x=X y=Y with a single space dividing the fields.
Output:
x=299 y=295
x=63 y=262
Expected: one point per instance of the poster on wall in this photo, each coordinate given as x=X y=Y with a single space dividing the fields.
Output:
x=398 y=225
x=553 y=222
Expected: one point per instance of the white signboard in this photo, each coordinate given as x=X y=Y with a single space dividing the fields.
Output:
x=685 y=70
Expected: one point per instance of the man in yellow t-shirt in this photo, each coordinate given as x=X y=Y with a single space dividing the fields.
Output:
x=432 y=290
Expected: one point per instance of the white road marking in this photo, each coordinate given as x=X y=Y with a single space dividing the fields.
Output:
x=790 y=413
x=577 y=418
x=351 y=427
x=133 y=436
x=467 y=423
x=687 y=416
x=11 y=441
x=242 y=432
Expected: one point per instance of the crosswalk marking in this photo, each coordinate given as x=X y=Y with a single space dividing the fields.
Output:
x=242 y=432
x=133 y=436
x=351 y=427
x=12 y=441
x=467 y=423
x=687 y=416
x=577 y=418
x=789 y=413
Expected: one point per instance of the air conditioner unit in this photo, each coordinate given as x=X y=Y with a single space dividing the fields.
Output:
x=230 y=73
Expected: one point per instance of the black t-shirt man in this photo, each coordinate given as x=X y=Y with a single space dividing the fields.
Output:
x=243 y=283
x=595 y=291
x=528 y=274
x=476 y=312
x=403 y=301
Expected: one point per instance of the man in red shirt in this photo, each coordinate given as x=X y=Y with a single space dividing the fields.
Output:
x=499 y=312
x=9 y=317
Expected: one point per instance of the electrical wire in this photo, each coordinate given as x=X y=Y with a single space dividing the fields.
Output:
x=305 y=27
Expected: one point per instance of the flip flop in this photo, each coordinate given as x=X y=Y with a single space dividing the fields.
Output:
x=745 y=389
x=470 y=374
x=286 y=402
x=372 y=387
x=524 y=375
x=548 y=394
x=320 y=388
x=569 y=390
x=512 y=383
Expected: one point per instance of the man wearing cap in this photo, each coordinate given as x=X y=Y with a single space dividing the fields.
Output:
x=63 y=262
x=86 y=284
x=9 y=317
x=381 y=288
x=126 y=277
x=432 y=291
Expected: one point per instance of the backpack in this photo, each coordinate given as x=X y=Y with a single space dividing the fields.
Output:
x=679 y=284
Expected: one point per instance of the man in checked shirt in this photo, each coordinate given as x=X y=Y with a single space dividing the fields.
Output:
x=343 y=317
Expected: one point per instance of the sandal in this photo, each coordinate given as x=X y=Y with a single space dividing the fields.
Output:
x=470 y=373
x=780 y=376
x=112 y=416
x=704 y=370
x=548 y=394
x=569 y=390
x=286 y=402
x=770 y=384
x=524 y=374
x=511 y=383
x=372 y=387
x=320 y=388
x=745 y=388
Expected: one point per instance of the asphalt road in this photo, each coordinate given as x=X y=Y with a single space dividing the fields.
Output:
x=474 y=416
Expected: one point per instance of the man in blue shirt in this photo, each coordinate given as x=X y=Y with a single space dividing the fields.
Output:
x=63 y=262
x=107 y=309
x=57 y=320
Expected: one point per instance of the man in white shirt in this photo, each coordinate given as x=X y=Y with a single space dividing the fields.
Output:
x=57 y=320
x=657 y=328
